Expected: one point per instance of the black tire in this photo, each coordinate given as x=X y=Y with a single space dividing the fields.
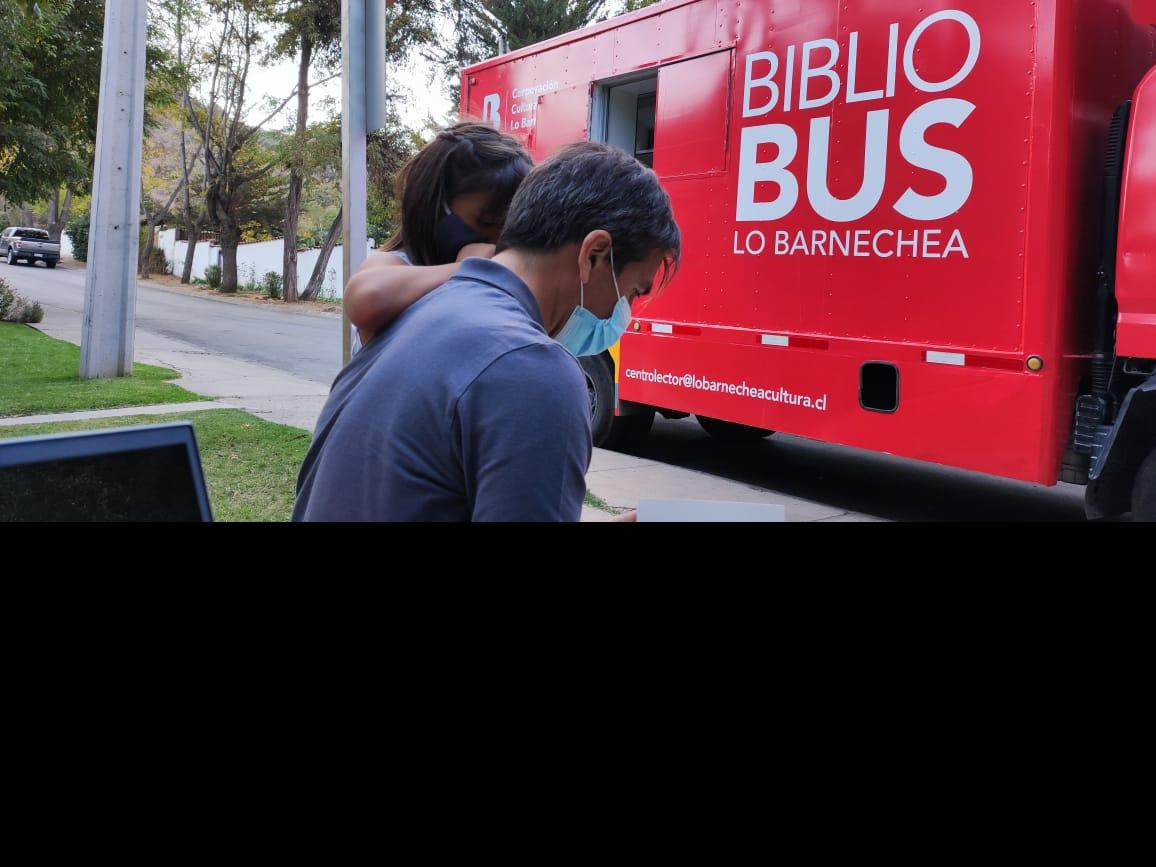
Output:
x=607 y=430
x=729 y=432
x=1144 y=491
x=51 y=263
x=628 y=432
x=600 y=386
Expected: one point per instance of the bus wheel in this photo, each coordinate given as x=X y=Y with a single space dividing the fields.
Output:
x=600 y=387
x=729 y=432
x=1144 y=491
x=607 y=430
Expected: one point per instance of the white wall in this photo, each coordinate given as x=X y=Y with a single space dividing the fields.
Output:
x=204 y=256
x=255 y=260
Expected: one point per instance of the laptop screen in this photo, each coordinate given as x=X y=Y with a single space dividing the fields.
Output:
x=150 y=473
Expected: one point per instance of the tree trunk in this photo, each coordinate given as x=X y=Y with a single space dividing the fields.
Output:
x=146 y=253
x=151 y=229
x=230 y=240
x=292 y=217
x=318 y=276
x=190 y=224
x=187 y=272
x=145 y=250
x=58 y=215
x=293 y=203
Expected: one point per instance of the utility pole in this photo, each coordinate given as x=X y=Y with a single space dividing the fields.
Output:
x=106 y=344
x=362 y=110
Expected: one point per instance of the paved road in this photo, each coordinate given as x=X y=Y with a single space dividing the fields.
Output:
x=301 y=344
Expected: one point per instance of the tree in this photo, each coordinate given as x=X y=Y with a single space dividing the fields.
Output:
x=325 y=167
x=387 y=151
x=49 y=88
x=523 y=22
x=234 y=159
x=312 y=33
x=59 y=213
x=184 y=21
x=530 y=21
x=49 y=95
x=28 y=142
x=635 y=5
x=164 y=176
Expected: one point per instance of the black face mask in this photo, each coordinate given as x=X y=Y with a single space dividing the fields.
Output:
x=451 y=235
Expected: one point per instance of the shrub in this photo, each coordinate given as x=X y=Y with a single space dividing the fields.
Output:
x=77 y=231
x=271 y=284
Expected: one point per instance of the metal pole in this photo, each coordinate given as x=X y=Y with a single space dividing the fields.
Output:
x=106 y=345
x=375 y=52
x=353 y=147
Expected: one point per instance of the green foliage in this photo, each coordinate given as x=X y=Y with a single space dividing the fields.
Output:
x=271 y=284
x=77 y=231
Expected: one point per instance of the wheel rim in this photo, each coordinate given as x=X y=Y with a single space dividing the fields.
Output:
x=592 y=393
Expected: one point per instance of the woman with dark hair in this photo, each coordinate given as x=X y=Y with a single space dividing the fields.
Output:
x=454 y=195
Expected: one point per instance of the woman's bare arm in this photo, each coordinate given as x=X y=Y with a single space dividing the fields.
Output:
x=385 y=285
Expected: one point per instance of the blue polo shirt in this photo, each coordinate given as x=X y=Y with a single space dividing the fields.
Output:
x=463 y=410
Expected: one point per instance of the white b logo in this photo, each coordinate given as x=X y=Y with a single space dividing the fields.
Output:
x=492 y=110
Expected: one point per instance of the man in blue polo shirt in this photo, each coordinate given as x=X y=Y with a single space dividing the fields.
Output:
x=472 y=405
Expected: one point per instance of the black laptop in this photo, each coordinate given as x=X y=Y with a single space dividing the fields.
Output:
x=147 y=473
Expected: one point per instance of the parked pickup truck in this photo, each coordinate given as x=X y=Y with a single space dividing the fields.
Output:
x=19 y=244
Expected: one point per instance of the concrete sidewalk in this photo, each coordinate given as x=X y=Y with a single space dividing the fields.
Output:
x=263 y=391
x=622 y=481
x=120 y=412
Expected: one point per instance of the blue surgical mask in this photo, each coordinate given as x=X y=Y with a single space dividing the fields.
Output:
x=586 y=334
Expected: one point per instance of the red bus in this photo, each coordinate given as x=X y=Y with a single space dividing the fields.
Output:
x=922 y=228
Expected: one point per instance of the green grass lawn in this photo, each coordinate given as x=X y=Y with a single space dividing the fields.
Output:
x=39 y=374
x=250 y=465
x=596 y=502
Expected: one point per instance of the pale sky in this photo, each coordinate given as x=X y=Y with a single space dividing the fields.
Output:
x=423 y=97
